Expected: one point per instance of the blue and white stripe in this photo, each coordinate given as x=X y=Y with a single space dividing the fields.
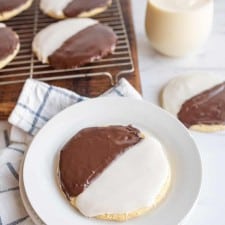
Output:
x=39 y=102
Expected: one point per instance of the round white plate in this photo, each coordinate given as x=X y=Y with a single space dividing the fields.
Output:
x=41 y=160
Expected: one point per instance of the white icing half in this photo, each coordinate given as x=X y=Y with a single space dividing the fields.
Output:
x=2 y=25
x=183 y=88
x=48 y=40
x=131 y=182
x=54 y=7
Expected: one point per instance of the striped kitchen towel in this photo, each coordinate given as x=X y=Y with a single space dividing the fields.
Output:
x=37 y=103
x=15 y=144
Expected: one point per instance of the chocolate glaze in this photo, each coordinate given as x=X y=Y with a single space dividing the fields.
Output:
x=87 y=45
x=8 y=42
x=76 y=7
x=206 y=108
x=89 y=152
x=8 y=5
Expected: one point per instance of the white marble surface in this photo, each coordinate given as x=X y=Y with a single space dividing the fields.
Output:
x=156 y=70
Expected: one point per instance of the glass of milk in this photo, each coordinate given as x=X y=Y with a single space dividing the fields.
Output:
x=178 y=27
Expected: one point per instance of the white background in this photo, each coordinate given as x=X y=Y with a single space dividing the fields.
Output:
x=156 y=70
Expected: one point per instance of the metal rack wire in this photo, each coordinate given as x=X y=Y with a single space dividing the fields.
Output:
x=26 y=65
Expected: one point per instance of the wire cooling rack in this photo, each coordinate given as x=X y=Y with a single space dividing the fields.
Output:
x=26 y=65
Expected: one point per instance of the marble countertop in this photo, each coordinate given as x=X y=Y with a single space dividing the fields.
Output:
x=156 y=70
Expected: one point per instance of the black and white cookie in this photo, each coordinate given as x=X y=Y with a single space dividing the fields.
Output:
x=197 y=100
x=61 y=9
x=11 y=8
x=74 y=42
x=114 y=172
x=9 y=45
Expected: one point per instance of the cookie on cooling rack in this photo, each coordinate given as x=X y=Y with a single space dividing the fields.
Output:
x=9 y=45
x=61 y=9
x=11 y=8
x=198 y=100
x=114 y=172
x=74 y=42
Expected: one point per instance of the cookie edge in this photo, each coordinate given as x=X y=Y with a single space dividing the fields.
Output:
x=12 y=13
x=4 y=62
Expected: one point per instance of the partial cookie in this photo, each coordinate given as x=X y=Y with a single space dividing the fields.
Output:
x=11 y=8
x=61 y=9
x=113 y=173
x=198 y=100
x=74 y=42
x=9 y=45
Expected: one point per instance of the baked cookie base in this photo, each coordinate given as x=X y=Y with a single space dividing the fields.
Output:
x=207 y=128
x=9 y=14
x=8 y=59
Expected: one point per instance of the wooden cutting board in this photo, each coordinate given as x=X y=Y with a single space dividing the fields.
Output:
x=87 y=86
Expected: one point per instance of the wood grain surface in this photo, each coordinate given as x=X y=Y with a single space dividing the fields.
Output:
x=88 y=86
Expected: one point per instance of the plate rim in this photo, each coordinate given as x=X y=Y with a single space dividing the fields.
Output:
x=27 y=205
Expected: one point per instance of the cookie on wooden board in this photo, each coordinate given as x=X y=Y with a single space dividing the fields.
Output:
x=74 y=42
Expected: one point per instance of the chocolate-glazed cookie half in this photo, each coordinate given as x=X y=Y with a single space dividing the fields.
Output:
x=89 y=45
x=74 y=42
x=89 y=152
x=9 y=45
x=86 y=8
